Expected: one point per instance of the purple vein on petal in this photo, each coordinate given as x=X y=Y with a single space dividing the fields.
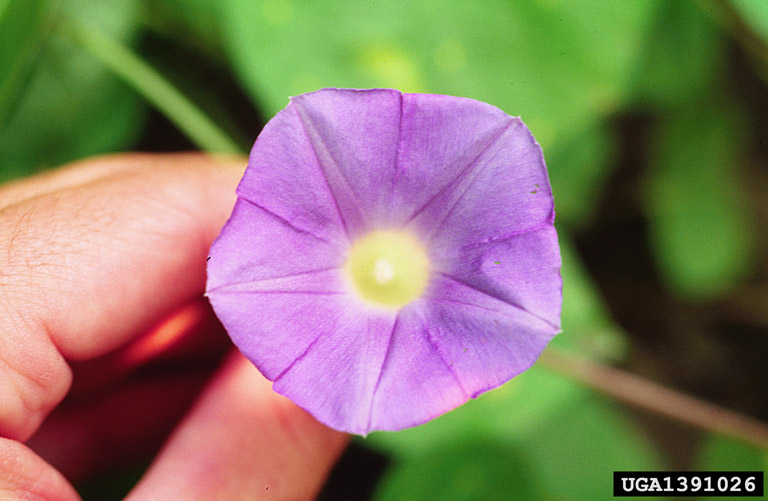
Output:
x=447 y=212
x=381 y=369
x=449 y=365
x=496 y=297
x=508 y=236
x=453 y=183
x=234 y=287
x=338 y=185
x=297 y=359
x=225 y=290
x=398 y=151
x=282 y=220
x=484 y=308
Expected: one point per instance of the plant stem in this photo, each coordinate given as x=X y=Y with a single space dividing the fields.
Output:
x=652 y=396
x=155 y=88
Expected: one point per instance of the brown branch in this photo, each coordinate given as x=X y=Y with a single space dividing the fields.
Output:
x=652 y=396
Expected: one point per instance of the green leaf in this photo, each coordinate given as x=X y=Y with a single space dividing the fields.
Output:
x=23 y=33
x=701 y=230
x=578 y=169
x=559 y=438
x=558 y=64
x=71 y=106
x=755 y=14
x=682 y=57
x=192 y=22
x=472 y=470
x=588 y=328
x=720 y=453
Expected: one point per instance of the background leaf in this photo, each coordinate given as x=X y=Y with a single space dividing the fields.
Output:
x=578 y=170
x=22 y=35
x=701 y=232
x=542 y=430
x=71 y=107
x=755 y=14
x=720 y=453
x=542 y=60
x=682 y=57
x=193 y=22
x=588 y=327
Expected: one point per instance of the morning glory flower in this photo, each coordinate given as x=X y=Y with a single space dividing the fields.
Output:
x=389 y=255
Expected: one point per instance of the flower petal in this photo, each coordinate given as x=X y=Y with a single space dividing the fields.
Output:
x=442 y=138
x=485 y=340
x=416 y=383
x=265 y=276
x=275 y=328
x=256 y=245
x=336 y=377
x=354 y=135
x=284 y=178
x=496 y=188
x=523 y=270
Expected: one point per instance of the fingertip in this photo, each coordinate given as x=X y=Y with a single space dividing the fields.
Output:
x=242 y=439
x=24 y=475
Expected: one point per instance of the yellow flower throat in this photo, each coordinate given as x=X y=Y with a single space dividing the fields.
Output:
x=388 y=268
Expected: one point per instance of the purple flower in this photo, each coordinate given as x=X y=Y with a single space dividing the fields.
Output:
x=389 y=256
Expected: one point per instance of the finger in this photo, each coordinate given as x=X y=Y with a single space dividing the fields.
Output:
x=243 y=441
x=24 y=475
x=79 y=173
x=86 y=267
x=122 y=405
x=190 y=336
x=127 y=425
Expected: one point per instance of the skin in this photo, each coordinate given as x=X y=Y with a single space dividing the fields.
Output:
x=102 y=269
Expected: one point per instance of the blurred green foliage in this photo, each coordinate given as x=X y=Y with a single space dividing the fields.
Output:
x=720 y=453
x=540 y=435
x=568 y=68
x=69 y=106
x=700 y=226
x=754 y=14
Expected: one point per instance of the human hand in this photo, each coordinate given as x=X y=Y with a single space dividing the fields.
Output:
x=93 y=257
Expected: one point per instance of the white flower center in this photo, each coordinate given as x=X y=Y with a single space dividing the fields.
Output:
x=382 y=271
